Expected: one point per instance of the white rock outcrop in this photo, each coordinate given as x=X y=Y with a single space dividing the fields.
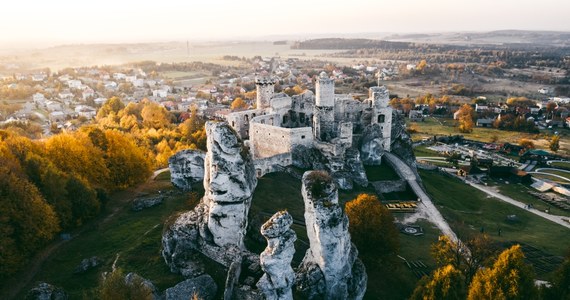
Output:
x=229 y=182
x=330 y=268
x=217 y=225
x=186 y=167
x=275 y=261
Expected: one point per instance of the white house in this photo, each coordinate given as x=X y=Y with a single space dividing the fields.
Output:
x=88 y=93
x=74 y=84
x=160 y=93
x=38 y=98
x=119 y=76
x=39 y=77
x=53 y=106
x=100 y=101
x=86 y=111
x=66 y=95
x=57 y=116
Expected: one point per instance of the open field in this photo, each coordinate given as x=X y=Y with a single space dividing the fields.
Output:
x=446 y=126
x=550 y=178
x=470 y=211
x=556 y=172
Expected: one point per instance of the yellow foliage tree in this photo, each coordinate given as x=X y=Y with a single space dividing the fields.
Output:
x=372 y=227
x=444 y=283
x=509 y=278
x=465 y=119
x=238 y=104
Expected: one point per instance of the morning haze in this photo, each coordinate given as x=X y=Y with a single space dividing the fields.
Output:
x=54 y=22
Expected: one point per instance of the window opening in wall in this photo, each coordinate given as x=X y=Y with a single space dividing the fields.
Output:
x=233 y=124
x=303 y=137
x=381 y=118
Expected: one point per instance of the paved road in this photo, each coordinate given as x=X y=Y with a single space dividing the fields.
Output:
x=426 y=206
x=554 y=218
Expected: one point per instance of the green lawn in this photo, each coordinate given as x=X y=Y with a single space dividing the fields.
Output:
x=381 y=172
x=519 y=192
x=133 y=237
x=424 y=151
x=561 y=165
x=556 y=172
x=469 y=210
x=550 y=177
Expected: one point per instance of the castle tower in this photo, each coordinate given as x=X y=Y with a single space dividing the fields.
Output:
x=265 y=88
x=380 y=97
x=323 y=120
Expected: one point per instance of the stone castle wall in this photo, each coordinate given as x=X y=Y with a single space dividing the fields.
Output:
x=267 y=140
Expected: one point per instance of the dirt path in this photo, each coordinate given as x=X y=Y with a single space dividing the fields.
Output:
x=120 y=201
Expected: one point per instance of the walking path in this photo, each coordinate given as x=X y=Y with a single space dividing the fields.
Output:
x=554 y=218
x=425 y=205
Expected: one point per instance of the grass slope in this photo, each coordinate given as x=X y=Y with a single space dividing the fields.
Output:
x=469 y=210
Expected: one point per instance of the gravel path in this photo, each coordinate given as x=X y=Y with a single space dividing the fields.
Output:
x=426 y=206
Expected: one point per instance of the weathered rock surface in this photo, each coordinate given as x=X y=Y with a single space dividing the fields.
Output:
x=351 y=171
x=402 y=142
x=87 y=264
x=134 y=279
x=217 y=225
x=46 y=291
x=203 y=286
x=186 y=167
x=229 y=182
x=371 y=148
x=276 y=260
x=327 y=268
x=142 y=203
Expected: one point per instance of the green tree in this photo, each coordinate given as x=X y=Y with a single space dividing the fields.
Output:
x=27 y=222
x=372 y=227
x=554 y=143
x=509 y=278
x=445 y=283
x=560 y=283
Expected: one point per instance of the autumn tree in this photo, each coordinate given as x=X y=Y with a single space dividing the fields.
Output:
x=115 y=287
x=554 y=144
x=127 y=163
x=509 y=278
x=465 y=119
x=27 y=222
x=444 y=283
x=112 y=105
x=467 y=257
x=238 y=104
x=372 y=227
x=155 y=116
x=526 y=143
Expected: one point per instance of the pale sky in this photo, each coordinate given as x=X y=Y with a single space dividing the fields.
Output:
x=84 y=21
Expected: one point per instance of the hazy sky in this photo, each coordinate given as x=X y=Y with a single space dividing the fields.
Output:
x=65 y=21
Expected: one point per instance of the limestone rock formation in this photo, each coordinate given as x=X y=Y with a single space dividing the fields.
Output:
x=203 y=286
x=352 y=170
x=330 y=268
x=46 y=291
x=229 y=182
x=371 y=148
x=275 y=261
x=402 y=142
x=186 y=167
x=87 y=264
x=217 y=225
x=135 y=279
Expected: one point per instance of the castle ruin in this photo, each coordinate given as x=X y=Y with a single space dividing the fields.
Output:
x=328 y=122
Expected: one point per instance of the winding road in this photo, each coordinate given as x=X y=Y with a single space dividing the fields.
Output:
x=426 y=206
